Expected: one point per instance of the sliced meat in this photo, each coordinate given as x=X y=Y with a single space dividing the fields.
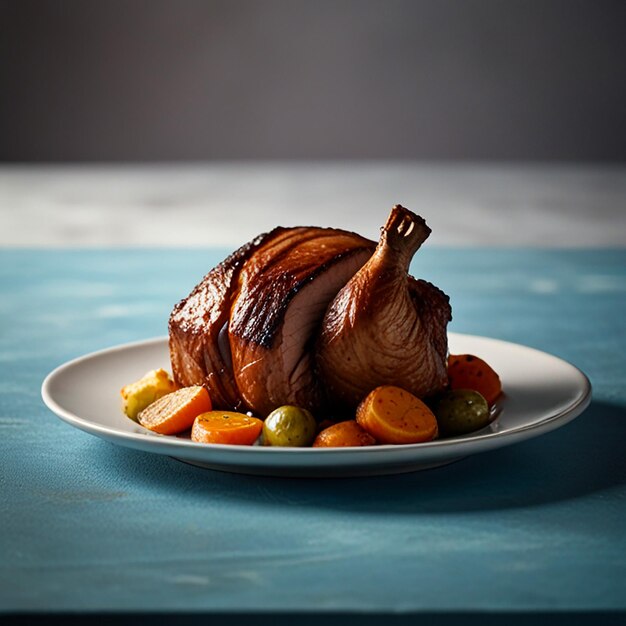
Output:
x=246 y=329
x=284 y=291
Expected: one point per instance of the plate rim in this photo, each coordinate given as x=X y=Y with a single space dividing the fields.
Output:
x=463 y=445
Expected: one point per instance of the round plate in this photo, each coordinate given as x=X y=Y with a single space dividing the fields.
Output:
x=542 y=392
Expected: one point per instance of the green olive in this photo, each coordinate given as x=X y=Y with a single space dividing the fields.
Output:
x=461 y=411
x=289 y=426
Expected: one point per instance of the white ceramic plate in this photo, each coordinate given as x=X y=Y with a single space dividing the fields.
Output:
x=542 y=392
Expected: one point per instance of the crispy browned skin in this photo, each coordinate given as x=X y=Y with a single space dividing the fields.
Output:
x=314 y=317
x=199 y=350
x=284 y=290
x=385 y=327
x=246 y=330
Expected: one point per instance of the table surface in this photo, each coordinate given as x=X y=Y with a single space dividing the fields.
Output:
x=89 y=526
x=226 y=204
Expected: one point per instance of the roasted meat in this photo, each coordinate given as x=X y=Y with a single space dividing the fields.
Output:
x=385 y=327
x=315 y=317
x=284 y=291
x=247 y=330
x=198 y=329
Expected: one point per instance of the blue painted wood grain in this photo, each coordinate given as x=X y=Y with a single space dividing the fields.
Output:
x=86 y=525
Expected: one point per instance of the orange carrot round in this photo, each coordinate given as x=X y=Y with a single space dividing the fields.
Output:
x=175 y=412
x=466 y=371
x=226 y=427
x=392 y=415
x=343 y=435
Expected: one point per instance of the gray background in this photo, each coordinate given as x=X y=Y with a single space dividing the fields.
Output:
x=429 y=79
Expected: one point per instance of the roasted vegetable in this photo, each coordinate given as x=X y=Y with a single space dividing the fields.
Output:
x=226 y=427
x=461 y=411
x=175 y=412
x=343 y=435
x=393 y=415
x=466 y=371
x=289 y=426
x=138 y=395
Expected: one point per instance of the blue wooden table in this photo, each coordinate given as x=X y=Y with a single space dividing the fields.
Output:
x=533 y=530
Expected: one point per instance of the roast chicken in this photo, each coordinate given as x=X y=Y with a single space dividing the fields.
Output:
x=385 y=327
x=315 y=317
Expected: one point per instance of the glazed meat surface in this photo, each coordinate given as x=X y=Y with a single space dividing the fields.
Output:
x=284 y=291
x=315 y=317
x=385 y=327
x=246 y=330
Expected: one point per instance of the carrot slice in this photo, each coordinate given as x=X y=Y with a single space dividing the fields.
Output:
x=343 y=435
x=392 y=415
x=466 y=371
x=226 y=427
x=175 y=412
